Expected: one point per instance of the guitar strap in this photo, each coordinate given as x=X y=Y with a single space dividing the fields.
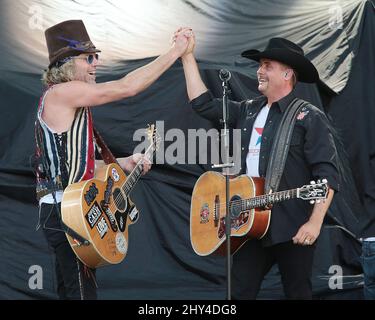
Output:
x=103 y=149
x=281 y=144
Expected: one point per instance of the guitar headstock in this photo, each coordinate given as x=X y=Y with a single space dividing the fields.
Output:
x=153 y=137
x=314 y=192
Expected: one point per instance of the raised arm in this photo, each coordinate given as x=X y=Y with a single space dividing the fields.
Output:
x=76 y=94
x=200 y=97
x=194 y=83
x=66 y=97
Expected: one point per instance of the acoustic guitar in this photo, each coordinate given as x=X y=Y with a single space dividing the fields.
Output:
x=249 y=210
x=100 y=210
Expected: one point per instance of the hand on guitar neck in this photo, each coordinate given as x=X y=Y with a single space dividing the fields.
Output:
x=129 y=163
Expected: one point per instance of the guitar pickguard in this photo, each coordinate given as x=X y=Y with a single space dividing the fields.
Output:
x=236 y=223
x=130 y=211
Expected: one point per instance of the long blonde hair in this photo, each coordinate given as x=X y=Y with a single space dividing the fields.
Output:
x=55 y=75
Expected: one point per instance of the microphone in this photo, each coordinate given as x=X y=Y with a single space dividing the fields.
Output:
x=224 y=75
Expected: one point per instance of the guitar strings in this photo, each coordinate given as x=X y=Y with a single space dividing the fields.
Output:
x=280 y=194
x=116 y=203
x=238 y=203
x=118 y=199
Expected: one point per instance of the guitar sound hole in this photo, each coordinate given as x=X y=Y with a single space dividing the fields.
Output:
x=235 y=207
x=119 y=200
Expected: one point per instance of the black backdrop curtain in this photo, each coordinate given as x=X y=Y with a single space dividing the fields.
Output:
x=161 y=263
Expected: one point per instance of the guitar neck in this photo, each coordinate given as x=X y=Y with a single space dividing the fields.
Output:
x=268 y=199
x=136 y=173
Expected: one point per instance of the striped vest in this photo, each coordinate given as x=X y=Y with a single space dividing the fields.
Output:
x=67 y=157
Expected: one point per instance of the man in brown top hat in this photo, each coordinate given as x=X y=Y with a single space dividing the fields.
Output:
x=295 y=224
x=64 y=134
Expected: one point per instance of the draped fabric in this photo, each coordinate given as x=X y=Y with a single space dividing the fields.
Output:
x=338 y=37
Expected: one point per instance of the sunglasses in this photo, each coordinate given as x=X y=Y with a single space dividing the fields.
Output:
x=89 y=59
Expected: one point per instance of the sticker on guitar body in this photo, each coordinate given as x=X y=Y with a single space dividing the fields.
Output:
x=115 y=175
x=121 y=243
x=205 y=211
x=91 y=194
x=93 y=215
x=102 y=227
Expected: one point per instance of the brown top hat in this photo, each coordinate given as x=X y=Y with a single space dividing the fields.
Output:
x=66 y=39
x=287 y=52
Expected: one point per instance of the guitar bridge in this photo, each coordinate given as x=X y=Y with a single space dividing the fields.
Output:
x=217 y=211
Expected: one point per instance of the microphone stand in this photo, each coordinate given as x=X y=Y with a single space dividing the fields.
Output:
x=225 y=166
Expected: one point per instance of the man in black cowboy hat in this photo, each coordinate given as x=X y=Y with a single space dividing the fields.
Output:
x=295 y=224
x=64 y=134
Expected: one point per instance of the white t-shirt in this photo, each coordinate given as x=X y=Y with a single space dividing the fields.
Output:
x=252 y=158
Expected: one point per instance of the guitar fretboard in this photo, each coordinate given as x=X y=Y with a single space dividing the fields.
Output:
x=134 y=176
x=265 y=200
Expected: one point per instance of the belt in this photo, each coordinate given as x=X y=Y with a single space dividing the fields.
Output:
x=44 y=187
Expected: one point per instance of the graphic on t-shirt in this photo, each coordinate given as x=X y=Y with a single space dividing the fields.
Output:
x=259 y=131
x=252 y=158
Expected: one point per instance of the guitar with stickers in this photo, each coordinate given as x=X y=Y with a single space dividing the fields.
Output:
x=100 y=211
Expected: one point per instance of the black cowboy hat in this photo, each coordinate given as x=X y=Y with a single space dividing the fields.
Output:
x=287 y=52
x=66 y=39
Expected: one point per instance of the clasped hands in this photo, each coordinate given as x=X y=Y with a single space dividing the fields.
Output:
x=183 y=40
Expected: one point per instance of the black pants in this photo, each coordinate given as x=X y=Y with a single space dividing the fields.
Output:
x=74 y=279
x=252 y=262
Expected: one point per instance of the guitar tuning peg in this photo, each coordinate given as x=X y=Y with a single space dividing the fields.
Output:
x=324 y=181
x=319 y=181
x=312 y=201
x=312 y=182
x=317 y=201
